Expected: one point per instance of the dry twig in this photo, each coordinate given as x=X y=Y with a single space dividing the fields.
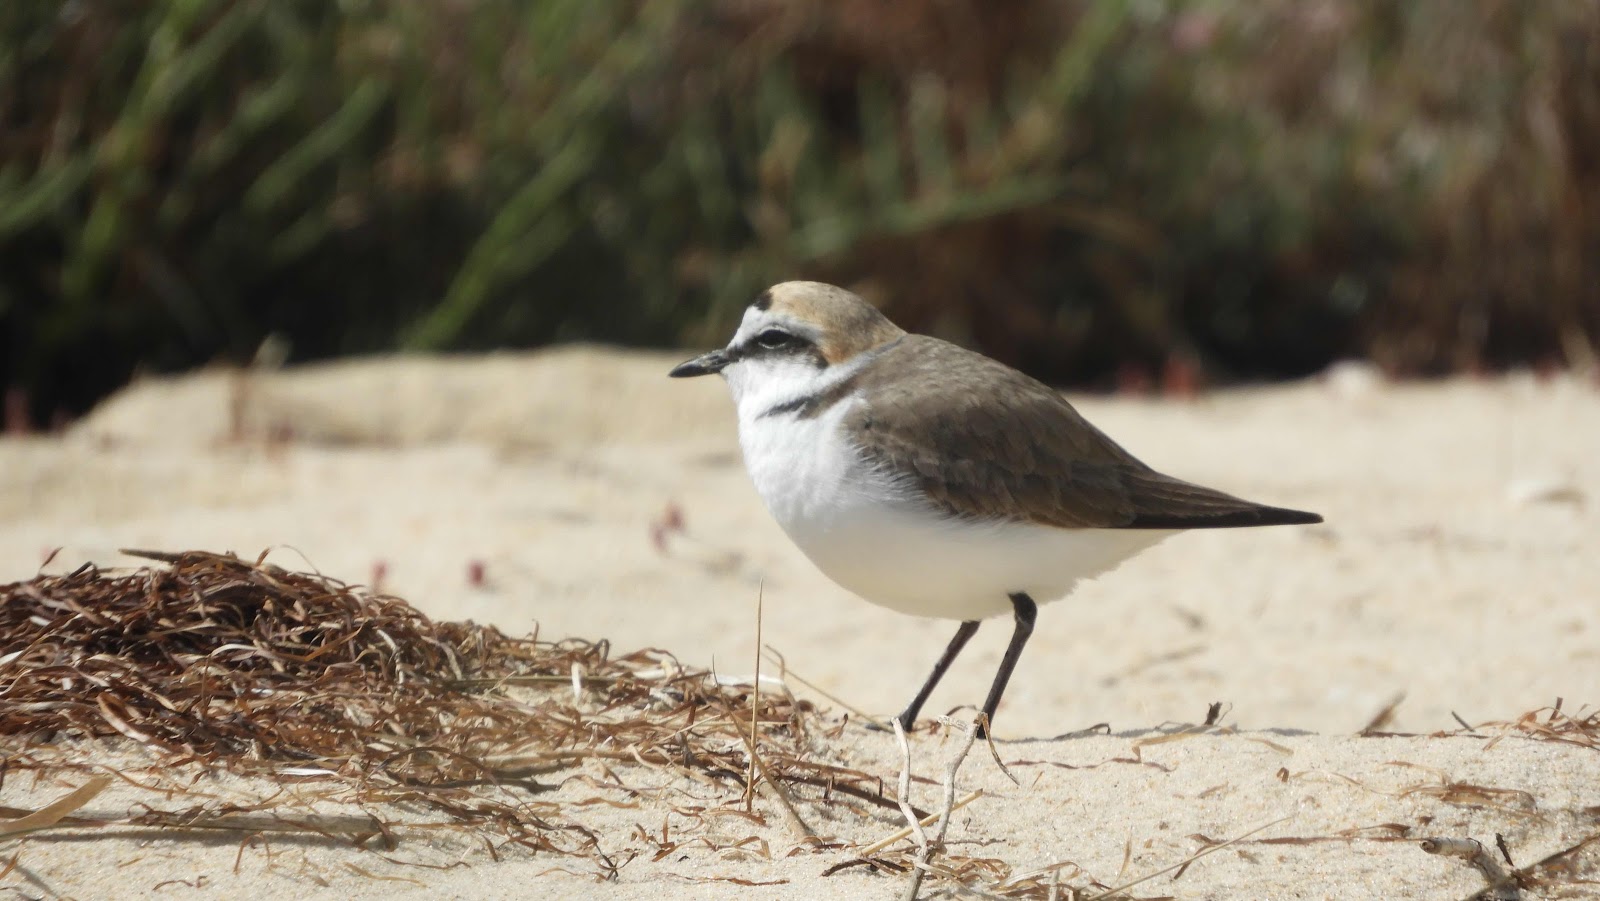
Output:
x=1503 y=885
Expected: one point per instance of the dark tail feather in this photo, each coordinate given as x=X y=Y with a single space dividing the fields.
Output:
x=1225 y=519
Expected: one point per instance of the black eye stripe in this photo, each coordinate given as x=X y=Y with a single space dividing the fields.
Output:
x=778 y=343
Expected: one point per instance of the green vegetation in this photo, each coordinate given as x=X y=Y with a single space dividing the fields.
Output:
x=1256 y=187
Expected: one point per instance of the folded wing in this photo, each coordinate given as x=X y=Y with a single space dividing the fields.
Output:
x=984 y=441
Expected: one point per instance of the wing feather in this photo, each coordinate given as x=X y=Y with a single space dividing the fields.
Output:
x=1016 y=445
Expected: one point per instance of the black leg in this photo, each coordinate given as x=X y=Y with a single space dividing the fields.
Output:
x=1025 y=611
x=908 y=716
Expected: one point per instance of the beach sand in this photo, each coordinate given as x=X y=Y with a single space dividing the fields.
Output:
x=1458 y=573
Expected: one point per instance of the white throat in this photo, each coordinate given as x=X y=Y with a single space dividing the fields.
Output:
x=761 y=385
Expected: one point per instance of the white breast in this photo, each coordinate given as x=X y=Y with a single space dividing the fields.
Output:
x=876 y=536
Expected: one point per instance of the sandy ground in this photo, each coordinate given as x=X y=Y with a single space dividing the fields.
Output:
x=1459 y=567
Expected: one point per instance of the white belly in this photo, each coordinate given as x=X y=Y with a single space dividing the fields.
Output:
x=880 y=541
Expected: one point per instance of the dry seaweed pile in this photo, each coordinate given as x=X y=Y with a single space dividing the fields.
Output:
x=261 y=670
x=219 y=658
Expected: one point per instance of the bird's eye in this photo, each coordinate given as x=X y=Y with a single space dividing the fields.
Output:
x=772 y=339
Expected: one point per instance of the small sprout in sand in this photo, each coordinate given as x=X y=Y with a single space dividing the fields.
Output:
x=1182 y=377
x=18 y=411
x=669 y=523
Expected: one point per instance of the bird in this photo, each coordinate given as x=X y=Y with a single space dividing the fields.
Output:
x=936 y=481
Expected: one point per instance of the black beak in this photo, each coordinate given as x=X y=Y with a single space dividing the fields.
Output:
x=705 y=364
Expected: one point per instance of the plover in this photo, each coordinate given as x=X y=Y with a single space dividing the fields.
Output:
x=933 y=480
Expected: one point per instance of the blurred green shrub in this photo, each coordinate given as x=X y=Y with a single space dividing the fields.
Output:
x=1255 y=187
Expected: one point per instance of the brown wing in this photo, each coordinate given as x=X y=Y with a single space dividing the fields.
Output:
x=1018 y=446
